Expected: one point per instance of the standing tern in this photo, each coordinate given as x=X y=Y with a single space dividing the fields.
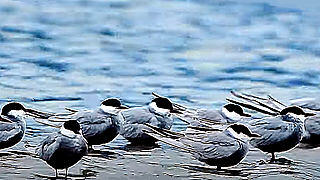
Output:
x=282 y=131
x=311 y=137
x=65 y=148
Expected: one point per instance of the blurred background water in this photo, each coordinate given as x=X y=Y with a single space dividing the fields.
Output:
x=56 y=54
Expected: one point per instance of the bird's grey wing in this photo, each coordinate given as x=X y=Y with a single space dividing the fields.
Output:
x=214 y=145
x=89 y=116
x=94 y=123
x=211 y=114
x=308 y=103
x=204 y=116
x=9 y=130
x=270 y=129
x=76 y=144
x=312 y=125
x=138 y=115
x=132 y=130
x=55 y=141
x=133 y=120
x=164 y=122
x=208 y=117
x=66 y=117
x=202 y=145
x=168 y=137
x=48 y=146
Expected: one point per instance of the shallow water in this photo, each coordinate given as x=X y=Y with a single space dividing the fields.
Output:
x=56 y=54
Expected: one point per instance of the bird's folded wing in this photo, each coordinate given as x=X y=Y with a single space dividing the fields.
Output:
x=138 y=115
x=312 y=124
x=271 y=130
x=212 y=146
x=209 y=145
x=68 y=116
x=167 y=139
x=8 y=130
x=48 y=146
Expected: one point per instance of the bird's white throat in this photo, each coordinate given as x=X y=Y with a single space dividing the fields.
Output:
x=17 y=113
x=231 y=115
x=109 y=109
x=154 y=106
x=238 y=135
x=67 y=132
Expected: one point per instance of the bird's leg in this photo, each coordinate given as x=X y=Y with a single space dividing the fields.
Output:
x=90 y=148
x=218 y=168
x=273 y=157
x=56 y=173
x=66 y=173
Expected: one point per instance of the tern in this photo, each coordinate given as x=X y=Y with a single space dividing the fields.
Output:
x=312 y=124
x=216 y=148
x=65 y=148
x=311 y=137
x=13 y=123
x=158 y=113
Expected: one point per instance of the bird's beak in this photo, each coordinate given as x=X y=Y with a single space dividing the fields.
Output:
x=3 y=119
x=254 y=135
x=123 y=107
x=37 y=114
x=246 y=115
x=174 y=111
x=309 y=114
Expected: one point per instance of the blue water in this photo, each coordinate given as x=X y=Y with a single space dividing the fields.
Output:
x=56 y=54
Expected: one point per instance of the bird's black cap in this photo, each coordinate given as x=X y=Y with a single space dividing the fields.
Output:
x=295 y=110
x=114 y=102
x=239 y=128
x=237 y=109
x=163 y=103
x=111 y=102
x=11 y=106
x=72 y=125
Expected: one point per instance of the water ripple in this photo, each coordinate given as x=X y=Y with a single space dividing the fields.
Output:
x=50 y=64
x=273 y=70
x=35 y=33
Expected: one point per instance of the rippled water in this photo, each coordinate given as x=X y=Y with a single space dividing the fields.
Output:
x=75 y=53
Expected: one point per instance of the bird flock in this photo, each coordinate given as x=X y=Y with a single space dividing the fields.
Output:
x=220 y=138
